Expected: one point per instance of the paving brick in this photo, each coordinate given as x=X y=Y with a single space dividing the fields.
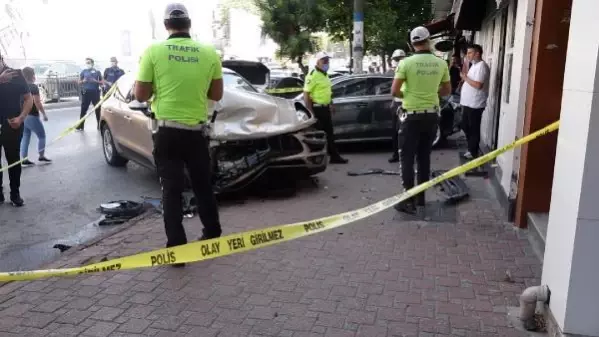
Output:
x=38 y=320
x=100 y=329
x=74 y=317
x=134 y=325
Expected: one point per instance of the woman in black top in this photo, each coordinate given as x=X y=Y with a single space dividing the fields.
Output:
x=33 y=122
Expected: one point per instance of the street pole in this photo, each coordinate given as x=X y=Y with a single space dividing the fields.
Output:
x=358 y=36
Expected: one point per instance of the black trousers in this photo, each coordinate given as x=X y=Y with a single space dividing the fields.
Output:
x=395 y=126
x=10 y=141
x=175 y=149
x=89 y=97
x=471 y=119
x=416 y=136
x=325 y=123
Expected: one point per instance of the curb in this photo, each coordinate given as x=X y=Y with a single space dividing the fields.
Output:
x=91 y=242
x=61 y=105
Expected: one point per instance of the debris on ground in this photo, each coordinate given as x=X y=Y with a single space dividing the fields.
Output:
x=61 y=247
x=119 y=212
x=373 y=171
x=454 y=189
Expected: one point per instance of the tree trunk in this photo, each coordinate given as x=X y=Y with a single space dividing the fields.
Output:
x=300 y=63
x=351 y=53
x=384 y=62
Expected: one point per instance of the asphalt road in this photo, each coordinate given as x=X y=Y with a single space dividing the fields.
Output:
x=62 y=198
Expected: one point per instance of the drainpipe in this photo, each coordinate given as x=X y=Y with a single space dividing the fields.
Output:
x=528 y=304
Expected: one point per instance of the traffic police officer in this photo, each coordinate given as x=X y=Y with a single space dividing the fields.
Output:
x=112 y=74
x=182 y=74
x=425 y=77
x=90 y=80
x=396 y=58
x=318 y=98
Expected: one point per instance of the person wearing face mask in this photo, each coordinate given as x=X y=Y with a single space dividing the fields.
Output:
x=16 y=102
x=397 y=56
x=90 y=80
x=318 y=98
x=112 y=74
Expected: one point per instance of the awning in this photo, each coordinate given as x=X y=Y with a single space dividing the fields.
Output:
x=441 y=26
x=469 y=14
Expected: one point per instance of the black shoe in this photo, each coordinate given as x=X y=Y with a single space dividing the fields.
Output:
x=205 y=237
x=43 y=159
x=16 y=200
x=339 y=160
x=2 y=200
x=394 y=159
x=27 y=163
x=406 y=207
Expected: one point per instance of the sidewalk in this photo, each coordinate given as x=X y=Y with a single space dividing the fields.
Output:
x=374 y=278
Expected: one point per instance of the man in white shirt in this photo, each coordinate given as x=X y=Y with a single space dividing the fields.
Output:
x=473 y=98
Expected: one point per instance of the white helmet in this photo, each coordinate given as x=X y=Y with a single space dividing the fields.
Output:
x=398 y=53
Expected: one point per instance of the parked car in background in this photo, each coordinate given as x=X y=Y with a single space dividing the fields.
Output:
x=285 y=86
x=363 y=112
x=252 y=133
x=57 y=80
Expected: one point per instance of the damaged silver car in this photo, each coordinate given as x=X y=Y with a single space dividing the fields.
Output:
x=250 y=134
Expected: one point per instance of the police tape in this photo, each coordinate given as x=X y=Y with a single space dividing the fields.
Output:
x=67 y=130
x=255 y=239
x=283 y=91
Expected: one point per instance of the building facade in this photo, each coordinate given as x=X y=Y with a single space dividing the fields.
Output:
x=544 y=60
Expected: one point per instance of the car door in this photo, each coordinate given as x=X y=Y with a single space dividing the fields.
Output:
x=381 y=126
x=353 y=112
x=113 y=113
x=138 y=135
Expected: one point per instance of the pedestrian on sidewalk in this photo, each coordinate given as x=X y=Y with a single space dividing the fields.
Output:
x=473 y=98
x=33 y=122
x=425 y=77
x=396 y=58
x=15 y=103
x=182 y=74
x=318 y=97
x=90 y=80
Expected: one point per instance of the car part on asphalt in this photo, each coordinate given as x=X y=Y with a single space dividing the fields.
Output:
x=119 y=212
x=61 y=247
x=454 y=189
x=373 y=171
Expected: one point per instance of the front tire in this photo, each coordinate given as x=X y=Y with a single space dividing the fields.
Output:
x=113 y=158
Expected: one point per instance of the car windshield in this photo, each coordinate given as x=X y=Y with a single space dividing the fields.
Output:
x=232 y=80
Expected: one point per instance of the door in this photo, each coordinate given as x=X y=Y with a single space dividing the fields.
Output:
x=382 y=115
x=138 y=137
x=353 y=112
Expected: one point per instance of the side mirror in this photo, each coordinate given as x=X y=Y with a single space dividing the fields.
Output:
x=138 y=106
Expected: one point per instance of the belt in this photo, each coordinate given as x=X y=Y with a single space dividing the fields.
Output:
x=321 y=105
x=176 y=125
x=424 y=111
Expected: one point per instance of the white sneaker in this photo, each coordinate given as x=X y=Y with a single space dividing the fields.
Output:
x=468 y=155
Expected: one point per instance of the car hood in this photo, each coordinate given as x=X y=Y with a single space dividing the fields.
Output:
x=243 y=115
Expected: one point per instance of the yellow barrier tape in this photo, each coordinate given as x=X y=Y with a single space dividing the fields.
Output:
x=246 y=241
x=67 y=130
x=284 y=91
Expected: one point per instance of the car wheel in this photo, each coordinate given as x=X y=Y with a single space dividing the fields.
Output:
x=113 y=158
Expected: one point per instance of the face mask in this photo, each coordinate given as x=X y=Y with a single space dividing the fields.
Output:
x=88 y=65
x=113 y=64
x=325 y=67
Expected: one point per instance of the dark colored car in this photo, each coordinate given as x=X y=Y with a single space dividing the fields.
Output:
x=362 y=105
x=285 y=86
